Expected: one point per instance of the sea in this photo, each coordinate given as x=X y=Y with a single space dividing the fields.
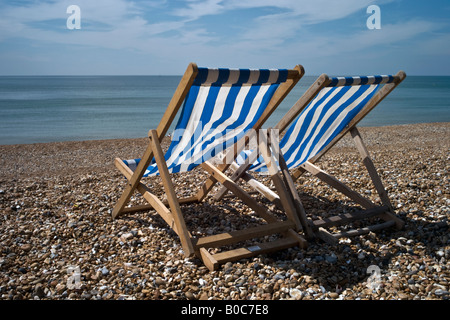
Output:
x=39 y=109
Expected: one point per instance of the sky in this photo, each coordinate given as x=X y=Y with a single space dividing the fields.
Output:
x=157 y=37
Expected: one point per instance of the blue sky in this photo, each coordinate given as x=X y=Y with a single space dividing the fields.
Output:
x=125 y=37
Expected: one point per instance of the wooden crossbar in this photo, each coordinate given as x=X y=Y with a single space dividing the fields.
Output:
x=212 y=261
x=365 y=230
x=347 y=217
x=227 y=238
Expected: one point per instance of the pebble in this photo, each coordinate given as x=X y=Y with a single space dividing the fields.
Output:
x=440 y=292
x=333 y=295
x=39 y=291
x=56 y=214
x=26 y=247
x=331 y=258
x=190 y=296
x=104 y=271
x=295 y=294
x=160 y=282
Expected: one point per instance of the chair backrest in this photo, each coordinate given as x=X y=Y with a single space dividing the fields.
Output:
x=222 y=105
x=328 y=113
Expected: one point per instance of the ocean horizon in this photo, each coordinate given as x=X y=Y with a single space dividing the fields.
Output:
x=38 y=109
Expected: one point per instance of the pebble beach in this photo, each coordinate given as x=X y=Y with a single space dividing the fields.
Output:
x=56 y=201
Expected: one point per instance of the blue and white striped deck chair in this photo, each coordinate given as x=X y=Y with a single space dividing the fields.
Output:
x=329 y=109
x=220 y=107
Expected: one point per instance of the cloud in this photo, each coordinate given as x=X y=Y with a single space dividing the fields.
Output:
x=389 y=35
x=264 y=32
x=197 y=9
x=125 y=24
x=309 y=11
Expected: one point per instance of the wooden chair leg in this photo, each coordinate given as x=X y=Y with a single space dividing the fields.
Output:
x=238 y=191
x=375 y=178
x=297 y=201
x=171 y=196
x=133 y=182
x=285 y=198
x=337 y=185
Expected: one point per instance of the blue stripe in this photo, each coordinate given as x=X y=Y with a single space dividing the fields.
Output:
x=301 y=153
x=334 y=82
x=333 y=117
x=282 y=75
x=244 y=75
x=337 y=97
x=263 y=76
x=241 y=120
x=349 y=117
x=205 y=117
x=201 y=77
x=183 y=119
x=209 y=145
x=224 y=74
x=230 y=104
x=309 y=115
x=348 y=81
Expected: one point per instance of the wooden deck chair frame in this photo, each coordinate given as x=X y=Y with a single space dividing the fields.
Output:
x=318 y=228
x=173 y=214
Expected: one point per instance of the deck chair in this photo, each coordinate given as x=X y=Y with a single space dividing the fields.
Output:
x=328 y=110
x=220 y=106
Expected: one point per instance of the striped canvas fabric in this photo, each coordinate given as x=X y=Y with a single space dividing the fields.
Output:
x=221 y=107
x=323 y=119
x=351 y=81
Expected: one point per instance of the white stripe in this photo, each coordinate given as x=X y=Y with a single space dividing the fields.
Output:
x=341 y=81
x=207 y=133
x=191 y=125
x=238 y=130
x=356 y=80
x=219 y=107
x=273 y=76
x=370 y=79
x=240 y=159
x=385 y=78
x=234 y=76
x=301 y=120
x=339 y=119
x=132 y=164
x=254 y=76
x=335 y=123
x=213 y=75
x=329 y=112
